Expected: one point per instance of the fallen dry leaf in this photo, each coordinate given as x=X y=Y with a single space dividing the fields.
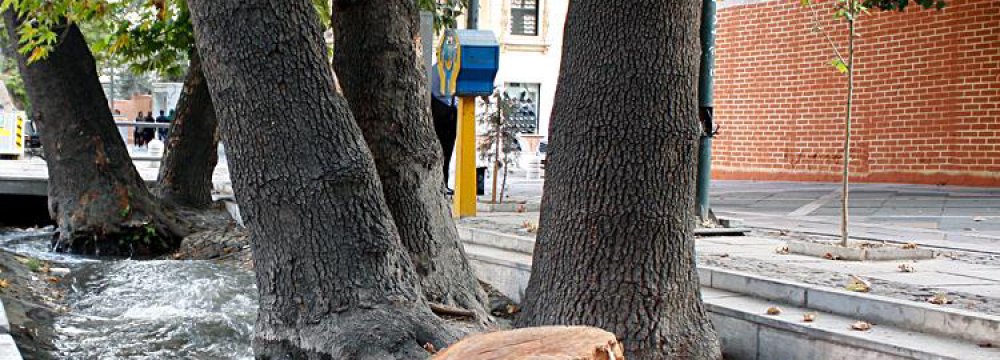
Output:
x=53 y=279
x=774 y=310
x=861 y=326
x=783 y=250
x=809 y=317
x=906 y=268
x=530 y=226
x=4 y=283
x=939 y=299
x=909 y=246
x=857 y=284
x=513 y=309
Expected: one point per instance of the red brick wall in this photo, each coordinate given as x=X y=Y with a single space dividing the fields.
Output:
x=927 y=98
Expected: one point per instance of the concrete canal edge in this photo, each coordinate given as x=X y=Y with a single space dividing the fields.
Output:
x=8 y=350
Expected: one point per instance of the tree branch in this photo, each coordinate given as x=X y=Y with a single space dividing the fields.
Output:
x=819 y=29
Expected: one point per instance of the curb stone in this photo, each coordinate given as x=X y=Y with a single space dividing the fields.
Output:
x=8 y=350
x=927 y=318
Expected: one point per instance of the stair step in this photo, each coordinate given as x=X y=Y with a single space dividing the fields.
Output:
x=748 y=333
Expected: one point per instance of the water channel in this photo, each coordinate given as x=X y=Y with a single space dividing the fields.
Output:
x=160 y=309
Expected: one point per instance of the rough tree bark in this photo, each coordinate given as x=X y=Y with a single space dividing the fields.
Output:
x=96 y=196
x=185 y=177
x=615 y=247
x=334 y=279
x=384 y=82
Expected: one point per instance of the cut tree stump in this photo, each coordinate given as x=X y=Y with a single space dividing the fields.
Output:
x=548 y=343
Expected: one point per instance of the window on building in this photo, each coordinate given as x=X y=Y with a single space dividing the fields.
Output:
x=524 y=113
x=524 y=17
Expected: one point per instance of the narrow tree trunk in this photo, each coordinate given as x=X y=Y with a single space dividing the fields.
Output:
x=496 y=169
x=96 y=196
x=334 y=279
x=615 y=247
x=186 y=173
x=846 y=176
x=384 y=82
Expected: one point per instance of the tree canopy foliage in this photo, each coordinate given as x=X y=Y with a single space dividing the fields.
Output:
x=148 y=35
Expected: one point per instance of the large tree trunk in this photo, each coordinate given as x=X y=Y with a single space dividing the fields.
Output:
x=615 y=247
x=96 y=196
x=384 y=82
x=334 y=279
x=186 y=173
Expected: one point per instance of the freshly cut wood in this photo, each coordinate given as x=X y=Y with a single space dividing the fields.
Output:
x=548 y=343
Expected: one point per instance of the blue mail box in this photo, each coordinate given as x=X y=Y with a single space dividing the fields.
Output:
x=467 y=62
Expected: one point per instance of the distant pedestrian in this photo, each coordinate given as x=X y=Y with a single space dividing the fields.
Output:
x=139 y=138
x=148 y=133
x=162 y=119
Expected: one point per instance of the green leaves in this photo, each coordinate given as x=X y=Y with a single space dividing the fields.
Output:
x=839 y=64
x=152 y=35
x=445 y=11
x=48 y=18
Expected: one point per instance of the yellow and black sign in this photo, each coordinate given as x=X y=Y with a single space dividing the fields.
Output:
x=12 y=142
x=19 y=132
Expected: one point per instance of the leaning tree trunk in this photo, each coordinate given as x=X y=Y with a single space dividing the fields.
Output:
x=615 y=247
x=96 y=196
x=384 y=82
x=186 y=174
x=334 y=279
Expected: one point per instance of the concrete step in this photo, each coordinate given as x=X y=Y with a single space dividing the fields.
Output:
x=737 y=302
x=748 y=333
x=926 y=318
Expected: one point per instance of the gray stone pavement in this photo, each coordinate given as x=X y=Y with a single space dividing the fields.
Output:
x=962 y=218
x=945 y=218
x=976 y=275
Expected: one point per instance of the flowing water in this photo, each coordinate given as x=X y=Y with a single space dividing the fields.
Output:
x=128 y=309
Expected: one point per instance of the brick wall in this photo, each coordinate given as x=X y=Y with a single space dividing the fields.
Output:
x=135 y=104
x=927 y=99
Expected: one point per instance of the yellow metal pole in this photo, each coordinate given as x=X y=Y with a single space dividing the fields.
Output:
x=465 y=159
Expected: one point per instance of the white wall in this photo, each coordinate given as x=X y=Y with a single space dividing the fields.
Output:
x=165 y=97
x=529 y=59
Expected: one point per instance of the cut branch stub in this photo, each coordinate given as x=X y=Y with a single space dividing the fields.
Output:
x=549 y=342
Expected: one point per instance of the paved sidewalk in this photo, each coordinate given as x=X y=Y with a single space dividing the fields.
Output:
x=973 y=279
x=961 y=218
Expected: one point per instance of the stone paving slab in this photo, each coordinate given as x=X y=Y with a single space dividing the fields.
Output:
x=8 y=350
x=992 y=274
x=968 y=241
x=953 y=208
x=30 y=177
x=747 y=333
x=830 y=211
x=931 y=278
x=785 y=336
x=992 y=291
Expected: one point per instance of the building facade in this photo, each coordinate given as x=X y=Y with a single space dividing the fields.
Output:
x=530 y=36
x=927 y=94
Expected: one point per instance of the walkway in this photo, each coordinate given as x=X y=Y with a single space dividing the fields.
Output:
x=961 y=218
x=30 y=177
